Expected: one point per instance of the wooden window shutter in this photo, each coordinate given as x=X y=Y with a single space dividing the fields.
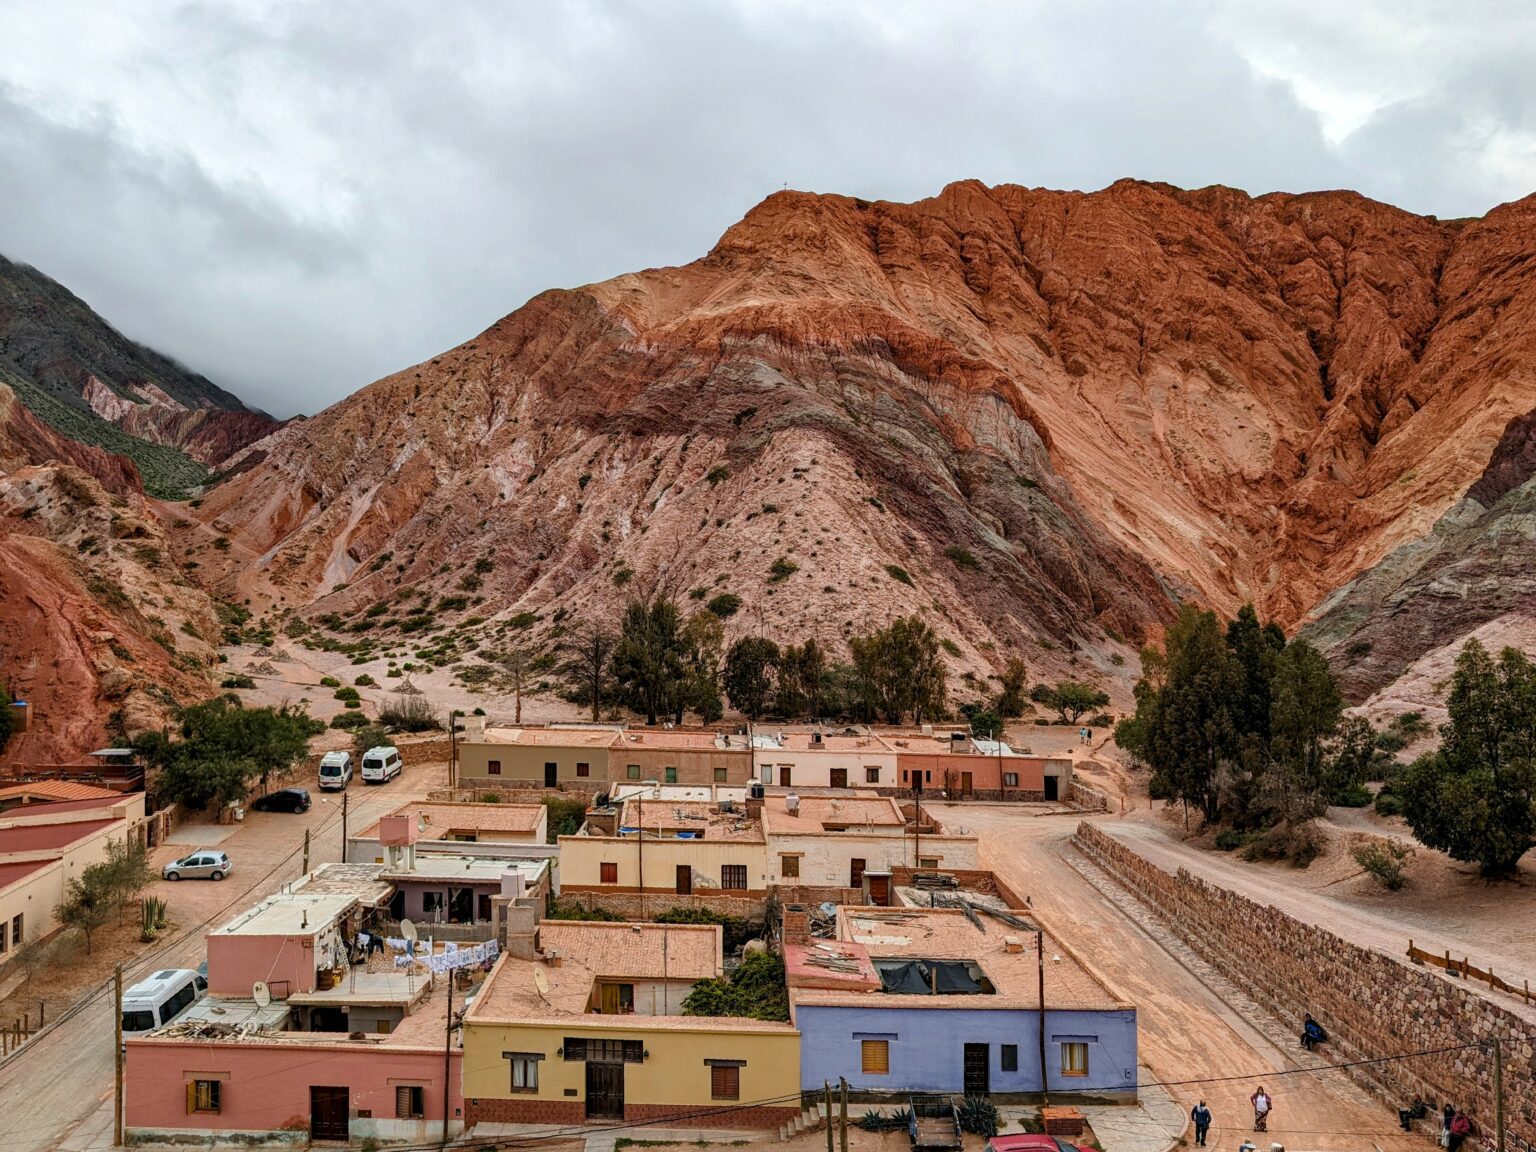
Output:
x=725 y=1082
x=402 y=1102
x=191 y=1097
x=875 y=1057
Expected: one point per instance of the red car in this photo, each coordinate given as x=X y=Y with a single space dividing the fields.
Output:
x=1028 y=1142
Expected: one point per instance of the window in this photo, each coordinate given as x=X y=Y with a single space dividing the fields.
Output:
x=408 y=1102
x=525 y=1070
x=2 y=937
x=202 y=1096
x=724 y=1080
x=493 y=767
x=927 y=861
x=1074 y=1059
x=1010 y=779
x=16 y=928
x=721 y=776
x=1010 y=1057
x=875 y=1057
x=789 y=867
x=632 y=772
x=871 y=774
x=604 y=1051
x=671 y=775
x=733 y=876
x=431 y=902
x=583 y=768
x=608 y=873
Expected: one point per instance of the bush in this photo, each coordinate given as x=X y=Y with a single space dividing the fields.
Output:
x=369 y=736
x=349 y=721
x=782 y=569
x=366 y=681
x=978 y=1115
x=409 y=714
x=329 y=682
x=717 y=474
x=725 y=605
x=961 y=558
x=239 y=681
x=1388 y=803
x=735 y=931
x=348 y=694
x=1100 y=720
x=755 y=990
x=1355 y=796
x=563 y=818
x=569 y=910
x=898 y=573
x=1384 y=861
x=1230 y=839
x=1298 y=844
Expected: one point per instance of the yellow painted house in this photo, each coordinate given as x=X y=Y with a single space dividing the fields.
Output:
x=586 y=1026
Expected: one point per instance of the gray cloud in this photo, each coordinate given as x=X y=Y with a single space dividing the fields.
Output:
x=298 y=199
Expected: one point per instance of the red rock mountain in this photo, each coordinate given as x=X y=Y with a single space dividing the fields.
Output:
x=1039 y=417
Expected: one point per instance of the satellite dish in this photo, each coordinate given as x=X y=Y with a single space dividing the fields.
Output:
x=407 y=930
x=421 y=822
x=541 y=982
x=261 y=993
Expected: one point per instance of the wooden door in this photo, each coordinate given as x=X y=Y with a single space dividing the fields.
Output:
x=965 y=784
x=685 y=880
x=328 y=1112
x=978 y=1070
x=855 y=873
x=880 y=891
x=605 y=1091
x=551 y=775
x=786 y=771
x=839 y=777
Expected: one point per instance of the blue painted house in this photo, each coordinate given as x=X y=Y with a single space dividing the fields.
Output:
x=922 y=1000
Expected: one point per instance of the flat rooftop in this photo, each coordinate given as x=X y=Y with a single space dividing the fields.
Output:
x=359 y=881
x=480 y=820
x=288 y=914
x=235 y=1012
x=665 y=819
x=204 y=1024
x=57 y=791
x=359 y=986
x=46 y=837
x=666 y=793
x=549 y=737
x=593 y=950
x=947 y=934
x=432 y=868
x=829 y=742
x=857 y=810
x=665 y=740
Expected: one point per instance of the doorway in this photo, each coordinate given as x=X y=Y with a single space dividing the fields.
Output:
x=551 y=775
x=966 y=785
x=880 y=891
x=605 y=1091
x=461 y=905
x=855 y=873
x=1053 y=787
x=978 y=1070
x=328 y=1112
x=786 y=771
x=685 y=879
x=839 y=777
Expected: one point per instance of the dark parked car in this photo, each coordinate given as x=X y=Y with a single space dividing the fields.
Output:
x=283 y=800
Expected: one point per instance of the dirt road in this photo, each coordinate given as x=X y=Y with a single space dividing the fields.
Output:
x=1186 y=1031
x=58 y=1088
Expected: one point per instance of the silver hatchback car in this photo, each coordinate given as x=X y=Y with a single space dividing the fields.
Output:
x=204 y=864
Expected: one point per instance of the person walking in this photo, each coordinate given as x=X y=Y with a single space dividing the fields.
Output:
x=1263 y=1105
x=1201 y=1115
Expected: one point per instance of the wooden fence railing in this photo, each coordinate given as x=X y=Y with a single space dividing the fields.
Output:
x=1467 y=971
x=20 y=1030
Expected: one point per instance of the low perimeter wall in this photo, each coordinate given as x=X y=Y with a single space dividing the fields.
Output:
x=1372 y=1004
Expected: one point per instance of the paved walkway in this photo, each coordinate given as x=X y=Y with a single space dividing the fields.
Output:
x=1154 y=1125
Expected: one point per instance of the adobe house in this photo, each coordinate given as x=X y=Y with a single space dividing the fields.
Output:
x=537 y=757
x=819 y=759
x=432 y=888
x=676 y=756
x=922 y=1000
x=468 y=829
x=831 y=841
x=961 y=767
x=586 y=1028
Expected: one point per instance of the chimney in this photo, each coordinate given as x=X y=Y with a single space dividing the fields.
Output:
x=1012 y=944
x=792 y=804
x=958 y=741
x=522 y=923
x=797 y=924
x=473 y=727
x=816 y=739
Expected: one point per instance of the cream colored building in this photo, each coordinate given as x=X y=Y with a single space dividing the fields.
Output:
x=686 y=848
x=823 y=760
x=831 y=841
x=538 y=757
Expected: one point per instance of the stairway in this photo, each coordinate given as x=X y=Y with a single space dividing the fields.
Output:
x=808 y=1119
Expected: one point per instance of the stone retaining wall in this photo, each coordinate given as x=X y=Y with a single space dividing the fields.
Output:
x=1372 y=1004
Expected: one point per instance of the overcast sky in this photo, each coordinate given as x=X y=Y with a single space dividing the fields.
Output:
x=297 y=198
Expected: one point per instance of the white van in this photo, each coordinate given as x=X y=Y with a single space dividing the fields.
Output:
x=335 y=771
x=157 y=1000
x=381 y=764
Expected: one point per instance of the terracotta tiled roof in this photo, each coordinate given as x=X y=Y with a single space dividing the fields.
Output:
x=816 y=811
x=57 y=790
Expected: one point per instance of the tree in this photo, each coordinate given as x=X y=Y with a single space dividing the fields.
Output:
x=647 y=664
x=586 y=667
x=756 y=990
x=1305 y=707
x=128 y=871
x=87 y=902
x=802 y=670
x=222 y=746
x=1070 y=698
x=514 y=661
x=750 y=666
x=1011 y=699
x=1475 y=798
x=986 y=726
x=898 y=671
x=703 y=641
x=1351 y=759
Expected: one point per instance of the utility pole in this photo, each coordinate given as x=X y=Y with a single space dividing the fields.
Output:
x=117 y=1055
x=827 y=1084
x=306 y=851
x=917 y=827
x=1045 y=1095
x=1498 y=1093
x=344 y=797
x=453 y=748
x=842 y=1116
x=639 y=847
x=448 y=1057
